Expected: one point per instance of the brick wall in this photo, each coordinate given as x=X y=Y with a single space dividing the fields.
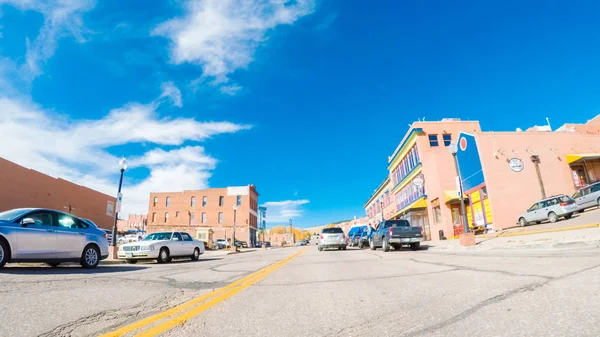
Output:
x=22 y=187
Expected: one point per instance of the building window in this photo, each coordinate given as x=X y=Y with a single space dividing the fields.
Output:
x=168 y=202
x=221 y=201
x=204 y=201
x=193 y=202
x=437 y=210
x=203 y=217
x=447 y=139
x=220 y=217
x=153 y=217
x=433 y=140
x=166 y=217
x=177 y=214
x=239 y=200
x=192 y=217
x=155 y=201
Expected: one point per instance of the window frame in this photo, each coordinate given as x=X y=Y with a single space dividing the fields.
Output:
x=433 y=139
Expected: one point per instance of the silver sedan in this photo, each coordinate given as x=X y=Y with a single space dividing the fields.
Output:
x=53 y=237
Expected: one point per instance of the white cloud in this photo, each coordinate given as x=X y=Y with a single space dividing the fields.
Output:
x=222 y=35
x=230 y=89
x=282 y=211
x=77 y=150
x=169 y=90
x=61 y=18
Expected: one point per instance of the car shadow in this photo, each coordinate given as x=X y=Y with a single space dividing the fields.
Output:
x=181 y=261
x=67 y=270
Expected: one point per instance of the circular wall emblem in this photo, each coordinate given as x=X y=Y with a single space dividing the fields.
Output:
x=418 y=181
x=463 y=143
x=516 y=164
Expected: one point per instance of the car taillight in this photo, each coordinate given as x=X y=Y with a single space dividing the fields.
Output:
x=421 y=228
x=321 y=236
x=343 y=236
x=563 y=204
x=391 y=230
x=104 y=235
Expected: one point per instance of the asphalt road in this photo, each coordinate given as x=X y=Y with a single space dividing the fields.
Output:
x=331 y=293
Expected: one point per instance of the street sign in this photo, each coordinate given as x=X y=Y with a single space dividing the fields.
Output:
x=458 y=185
x=119 y=198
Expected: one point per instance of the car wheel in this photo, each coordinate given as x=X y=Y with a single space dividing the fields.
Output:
x=320 y=249
x=163 y=256
x=522 y=222
x=552 y=217
x=131 y=261
x=53 y=264
x=538 y=222
x=581 y=211
x=344 y=248
x=569 y=216
x=385 y=245
x=415 y=245
x=372 y=244
x=397 y=247
x=90 y=257
x=196 y=255
x=3 y=253
x=360 y=245
x=598 y=202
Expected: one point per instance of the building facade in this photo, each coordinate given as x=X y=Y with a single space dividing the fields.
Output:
x=135 y=223
x=22 y=187
x=195 y=211
x=498 y=171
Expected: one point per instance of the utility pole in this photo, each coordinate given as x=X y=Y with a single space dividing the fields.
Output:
x=233 y=246
x=536 y=161
x=69 y=208
x=453 y=150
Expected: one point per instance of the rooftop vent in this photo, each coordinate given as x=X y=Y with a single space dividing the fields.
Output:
x=450 y=119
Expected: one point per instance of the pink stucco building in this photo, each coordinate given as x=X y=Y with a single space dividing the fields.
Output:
x=497 y=169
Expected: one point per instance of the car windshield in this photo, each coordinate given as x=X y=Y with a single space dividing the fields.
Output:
x=13 y=214
x=334 y=230
x=158 y=236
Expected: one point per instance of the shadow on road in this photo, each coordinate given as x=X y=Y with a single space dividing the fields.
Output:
x=180 y=261
x=67 y=270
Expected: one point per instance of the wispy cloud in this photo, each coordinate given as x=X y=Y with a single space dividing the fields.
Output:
x=82 y=155
x=282 y=211
x=61 y=18
x=221 y=36
x=327 y=22
x=169 y=90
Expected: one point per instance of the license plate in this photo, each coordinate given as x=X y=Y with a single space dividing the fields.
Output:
x=128 y=254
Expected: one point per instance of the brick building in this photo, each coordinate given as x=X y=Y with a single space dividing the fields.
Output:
x=22 y=187
x=498 y=171
x=201 y=209
x=133 y=223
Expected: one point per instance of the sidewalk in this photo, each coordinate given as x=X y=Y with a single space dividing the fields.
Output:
x=558 y=239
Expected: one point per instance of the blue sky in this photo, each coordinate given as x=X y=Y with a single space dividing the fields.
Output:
x=305 y=99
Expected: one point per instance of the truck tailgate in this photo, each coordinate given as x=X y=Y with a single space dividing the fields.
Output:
x=406 y=232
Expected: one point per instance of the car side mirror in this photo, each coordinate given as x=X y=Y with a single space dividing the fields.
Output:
x=27 y=221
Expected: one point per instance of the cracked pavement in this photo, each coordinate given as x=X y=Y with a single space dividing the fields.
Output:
x=330 y=293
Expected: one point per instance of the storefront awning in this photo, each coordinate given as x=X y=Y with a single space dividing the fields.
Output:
x=419 y=204
x=574 y=158
x=451 y=196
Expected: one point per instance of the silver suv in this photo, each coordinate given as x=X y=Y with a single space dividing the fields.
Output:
x=332 y=237
x=53 y=237
x=587 y=197
x=550 y=209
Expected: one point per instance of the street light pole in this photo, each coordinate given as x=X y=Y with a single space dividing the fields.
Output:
x=463 y=213
x=233 y=246
x=123 y=167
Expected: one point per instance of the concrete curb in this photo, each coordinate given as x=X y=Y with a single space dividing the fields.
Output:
x=562 y=229
x=548 y=245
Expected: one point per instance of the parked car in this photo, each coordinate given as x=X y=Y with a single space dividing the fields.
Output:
x=587 y=197
x=49 y=236
x=222 y=243
x=259 y=244
x=396 y=233
x=552 y=208
x=162 y=247
x=354 y=235
x=332 y=237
